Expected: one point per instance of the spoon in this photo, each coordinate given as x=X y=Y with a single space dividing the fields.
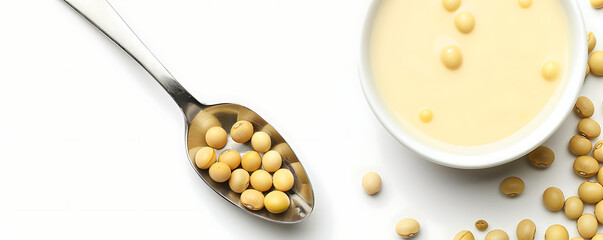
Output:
x=200 y=117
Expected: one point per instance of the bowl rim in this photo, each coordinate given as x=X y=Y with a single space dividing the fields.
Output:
x=577 y=66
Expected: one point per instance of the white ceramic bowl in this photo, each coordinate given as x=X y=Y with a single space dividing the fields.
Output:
x=513 y=149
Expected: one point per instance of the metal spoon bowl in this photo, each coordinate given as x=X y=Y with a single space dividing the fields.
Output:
x=200 y=117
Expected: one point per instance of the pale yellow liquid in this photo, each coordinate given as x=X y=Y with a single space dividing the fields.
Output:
x=497 y=90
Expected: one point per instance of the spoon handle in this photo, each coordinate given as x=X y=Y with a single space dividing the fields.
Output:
x=102 y=15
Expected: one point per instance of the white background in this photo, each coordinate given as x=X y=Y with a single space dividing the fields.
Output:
x=92 y=148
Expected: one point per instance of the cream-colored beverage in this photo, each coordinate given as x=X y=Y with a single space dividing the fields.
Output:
x=469 y=73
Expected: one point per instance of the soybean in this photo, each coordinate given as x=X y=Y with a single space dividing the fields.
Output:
x=371 y=183
x=251 y=161
x=550 y=70
x=512 y=186
x=598 y=151
x=425 y=115
x=497 y=234
x=205 y=157
x=574 y=207
x=579 y=145
x=596 y=3
x=595 y=62
x=283 y=180
x=239 y=180
x=526 y=229
x=407 y=227
x=272 y=161
x=230 y=157
x=556 y=232
x=276 y=201
x=260 y=141
x=464 y=22
x=589 y=128
x=216 y=137
x=553 y=199
x=481 y=225
x=241 y=131
x=452 y=57
x=525 y=3
x=464 y=235
x=219 y=172
x=451 y=5
x=599 y=212
x=587 y=225
x=592 y=41
x=541 y=157
x=586 y=166
x=590 y=192
x=584 y=107
x=252 y=199
x=261 y=180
